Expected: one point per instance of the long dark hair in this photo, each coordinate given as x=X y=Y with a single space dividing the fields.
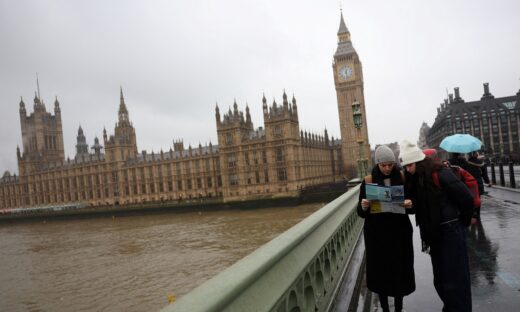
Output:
x=423 y=175
x=427 y=195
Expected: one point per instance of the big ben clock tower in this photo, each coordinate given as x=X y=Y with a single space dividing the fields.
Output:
x=348 y=79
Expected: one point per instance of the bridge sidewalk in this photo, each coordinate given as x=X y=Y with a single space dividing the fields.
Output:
x=494 y=254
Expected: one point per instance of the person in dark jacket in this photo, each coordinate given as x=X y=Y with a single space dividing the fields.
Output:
x=474 y=166
x=456 y=159
x=485 y=176
x=388 y=237
x=443 y=207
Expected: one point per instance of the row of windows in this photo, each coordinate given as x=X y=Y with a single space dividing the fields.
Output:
x=180 y=167
x=281 y=174
x=232 y=159
x=108 y=190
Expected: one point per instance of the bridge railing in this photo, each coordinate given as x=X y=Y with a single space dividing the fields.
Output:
x=297 y=271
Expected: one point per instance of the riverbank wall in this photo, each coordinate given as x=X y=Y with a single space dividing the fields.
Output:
x=323 y=193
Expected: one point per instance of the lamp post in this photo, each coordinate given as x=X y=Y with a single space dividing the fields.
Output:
x=358 y=123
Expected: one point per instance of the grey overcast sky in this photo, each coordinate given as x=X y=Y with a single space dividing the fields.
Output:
x=176 y=59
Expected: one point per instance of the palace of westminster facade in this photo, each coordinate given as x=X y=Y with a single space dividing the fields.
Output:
x=277 y=160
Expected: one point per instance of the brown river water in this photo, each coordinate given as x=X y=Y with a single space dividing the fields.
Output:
x=128 y=263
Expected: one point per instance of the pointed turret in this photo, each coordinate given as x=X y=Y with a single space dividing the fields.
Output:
x=81 y=145
x=96 y=147
x=344 y=44
x=22 y=107
x=217 y=113
x=38 y=105
x=342 y=26
x=249 y=123
x=123 y=112
x=326 y=136
x=57 y=110
x=235 y=108
x=285 y=102
x=264 y=105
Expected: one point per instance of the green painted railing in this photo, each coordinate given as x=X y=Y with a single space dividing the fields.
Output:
x=297 y=271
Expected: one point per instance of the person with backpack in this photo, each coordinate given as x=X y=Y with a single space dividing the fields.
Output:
x=443 y=207
x=388 y=236
x=463 y=175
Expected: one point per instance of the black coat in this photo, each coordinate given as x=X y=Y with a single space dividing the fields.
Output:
x=389 y=247
x=437 y=204
x=475 y=167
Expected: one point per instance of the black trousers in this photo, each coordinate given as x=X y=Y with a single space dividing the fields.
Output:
x=451 y=268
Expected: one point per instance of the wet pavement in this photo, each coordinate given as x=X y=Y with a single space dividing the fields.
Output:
x=494 y=254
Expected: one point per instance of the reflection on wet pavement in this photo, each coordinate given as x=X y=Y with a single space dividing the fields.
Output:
x=494 y=254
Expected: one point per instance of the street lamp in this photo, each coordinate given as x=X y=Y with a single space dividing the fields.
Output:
x=358 y=124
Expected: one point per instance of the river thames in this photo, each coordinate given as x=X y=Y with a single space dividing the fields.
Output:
x=129 y=263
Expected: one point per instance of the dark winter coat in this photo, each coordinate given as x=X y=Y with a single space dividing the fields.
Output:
x=485 y=176
x=437 y=202
x=475 y=166
x=388 y=243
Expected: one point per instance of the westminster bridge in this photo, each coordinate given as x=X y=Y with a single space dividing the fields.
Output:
x=318 y=265
x=139 y=262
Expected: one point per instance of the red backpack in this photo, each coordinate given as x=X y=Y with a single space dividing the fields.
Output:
x=467 y=179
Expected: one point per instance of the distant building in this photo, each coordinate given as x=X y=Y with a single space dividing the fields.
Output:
x=495 y=121
x=278 y=159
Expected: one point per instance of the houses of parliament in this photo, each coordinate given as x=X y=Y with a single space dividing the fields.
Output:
x=276 y=160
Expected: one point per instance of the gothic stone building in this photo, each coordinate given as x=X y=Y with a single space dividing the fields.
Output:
x=495 y=121
x=278 y=159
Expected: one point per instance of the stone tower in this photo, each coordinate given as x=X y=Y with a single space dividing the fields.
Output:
x=122 y=145
x=281 y=121
x=96 y=147
x=282 y=136
x=348 y=80
x=232 y=130
x=81 y=145
x=42 y=137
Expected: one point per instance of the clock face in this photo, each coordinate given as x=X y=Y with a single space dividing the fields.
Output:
x=345 y=72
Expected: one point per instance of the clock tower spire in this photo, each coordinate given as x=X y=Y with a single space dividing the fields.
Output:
x=348 y=80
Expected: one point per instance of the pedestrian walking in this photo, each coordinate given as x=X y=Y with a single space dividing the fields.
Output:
x=485 y=175
x=457 y=159
x=388 y=236
x=443 y=207
x=475 y=166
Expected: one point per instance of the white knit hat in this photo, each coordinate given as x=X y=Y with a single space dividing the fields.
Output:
x=410 y=153
x=384 y=154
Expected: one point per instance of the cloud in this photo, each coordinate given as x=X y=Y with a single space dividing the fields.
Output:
x=176 y=59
